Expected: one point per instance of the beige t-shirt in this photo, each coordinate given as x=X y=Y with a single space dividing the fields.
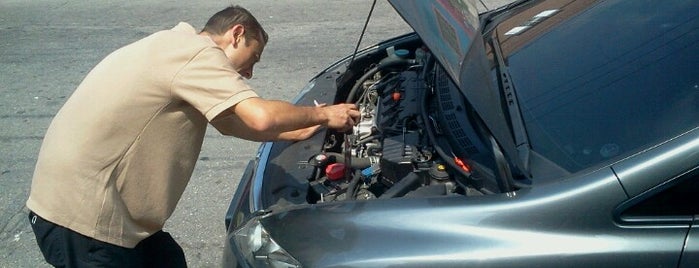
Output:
x=118 y=155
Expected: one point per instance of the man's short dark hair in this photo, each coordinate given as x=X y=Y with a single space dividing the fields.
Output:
x=225 y=19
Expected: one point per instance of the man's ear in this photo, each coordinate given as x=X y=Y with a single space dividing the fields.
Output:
x=237 y=33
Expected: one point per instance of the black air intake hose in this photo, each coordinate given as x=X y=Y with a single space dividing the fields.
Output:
x=381 y=66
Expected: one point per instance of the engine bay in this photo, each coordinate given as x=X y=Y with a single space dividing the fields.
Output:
x=417 y=135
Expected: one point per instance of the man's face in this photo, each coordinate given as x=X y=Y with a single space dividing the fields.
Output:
x=245 y=54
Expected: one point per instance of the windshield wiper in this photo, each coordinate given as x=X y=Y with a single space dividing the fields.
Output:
x=507 y=90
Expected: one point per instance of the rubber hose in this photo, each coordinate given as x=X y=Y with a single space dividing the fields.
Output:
x=382 y=65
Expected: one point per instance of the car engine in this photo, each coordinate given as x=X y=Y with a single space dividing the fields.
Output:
x=400 y=147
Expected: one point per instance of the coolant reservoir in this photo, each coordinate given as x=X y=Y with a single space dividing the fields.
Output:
x=395 y=54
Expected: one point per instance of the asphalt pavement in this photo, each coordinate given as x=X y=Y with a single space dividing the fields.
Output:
x=47 y=47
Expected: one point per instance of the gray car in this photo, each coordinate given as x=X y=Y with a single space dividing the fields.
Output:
x=552 y=133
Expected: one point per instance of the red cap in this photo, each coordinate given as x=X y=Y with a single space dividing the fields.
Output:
x=335 y=171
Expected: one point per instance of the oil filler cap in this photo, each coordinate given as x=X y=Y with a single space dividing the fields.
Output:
x=318 y=160
x=335 y=171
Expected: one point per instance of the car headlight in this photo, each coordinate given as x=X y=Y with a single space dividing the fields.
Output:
x=260 y=249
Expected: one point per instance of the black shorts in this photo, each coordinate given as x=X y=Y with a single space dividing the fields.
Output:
x=63 y=247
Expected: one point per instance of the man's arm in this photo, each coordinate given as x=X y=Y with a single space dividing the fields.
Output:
x=299 y=134
x=258 y=119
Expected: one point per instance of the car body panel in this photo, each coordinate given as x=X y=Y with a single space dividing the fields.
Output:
x=644 y=171
x=462 y=231
x=690 y=254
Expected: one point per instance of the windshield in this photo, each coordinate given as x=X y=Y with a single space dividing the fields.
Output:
x=598 y=79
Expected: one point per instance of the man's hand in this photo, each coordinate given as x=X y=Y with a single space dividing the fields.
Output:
x=341 y=116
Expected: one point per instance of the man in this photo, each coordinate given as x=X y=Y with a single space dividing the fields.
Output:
x=119 y=153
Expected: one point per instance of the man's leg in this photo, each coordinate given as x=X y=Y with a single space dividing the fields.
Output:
x=161 y=250
x=63 y=247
